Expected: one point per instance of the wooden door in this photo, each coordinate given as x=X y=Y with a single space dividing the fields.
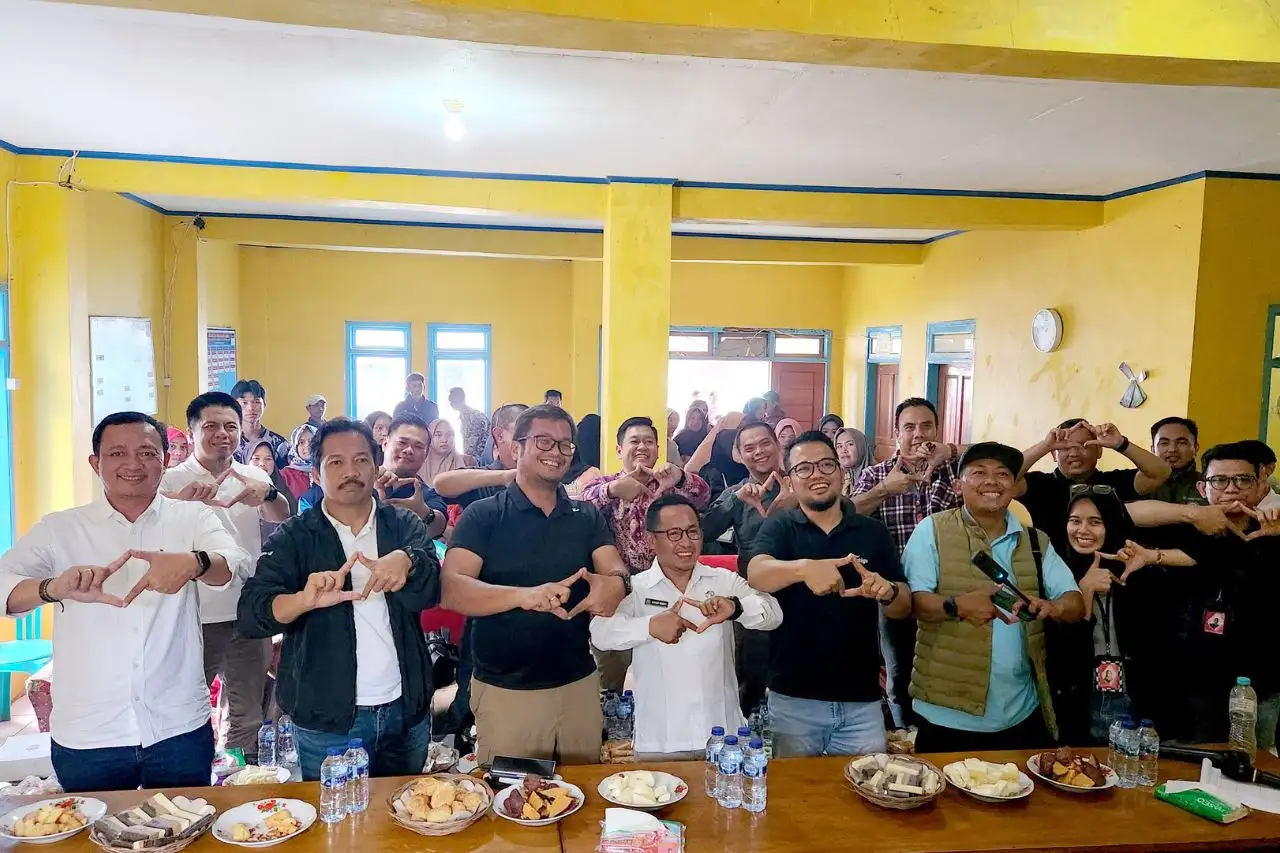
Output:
x=886 y=402
x=801 y=387
x=955 y=401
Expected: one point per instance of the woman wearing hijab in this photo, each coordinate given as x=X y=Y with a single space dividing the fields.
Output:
x=830 y=425
x=297 y=474
x=442 y=452
x=786 y=430
x=379 y=422
x=851 y=450
x=263 y=458
x=586 y=457
x=179 y=446
x=696 y=427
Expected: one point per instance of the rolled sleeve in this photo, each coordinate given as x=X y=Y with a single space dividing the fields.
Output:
x=212 y=537
x=1058 y=580
x=30 y=558
x=920 y=559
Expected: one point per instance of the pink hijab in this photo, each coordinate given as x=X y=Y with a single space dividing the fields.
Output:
x=785 y=422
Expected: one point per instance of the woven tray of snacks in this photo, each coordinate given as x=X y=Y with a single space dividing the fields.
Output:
x=895 y=781
x=157 y=825
x=440 y=804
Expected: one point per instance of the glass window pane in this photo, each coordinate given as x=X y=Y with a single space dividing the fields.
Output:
x=689 y=343
x=884 y=343
x=744 y=345
x=957 y=343
x=379 y=382
x=797 y=345
x=375 y=338
x=467 y=374
x=1275 y=338
x=460 y=340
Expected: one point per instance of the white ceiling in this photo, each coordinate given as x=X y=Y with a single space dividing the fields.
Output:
x=120 y=80
x=426 y=215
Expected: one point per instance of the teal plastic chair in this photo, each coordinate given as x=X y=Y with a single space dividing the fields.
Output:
x=26 y=654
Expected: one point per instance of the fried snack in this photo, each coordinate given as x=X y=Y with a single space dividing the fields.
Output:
x=439 y=800
x=538 y=799
x=50 y=820
x=439 y=815
x=443 y=795
x=1078 y=770
x=240 y=832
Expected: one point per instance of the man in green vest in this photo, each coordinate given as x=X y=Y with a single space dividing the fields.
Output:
x=979 y=681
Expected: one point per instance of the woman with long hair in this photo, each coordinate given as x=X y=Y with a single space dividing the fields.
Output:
x=379 y=422
x=442 y=452
x=586 y=457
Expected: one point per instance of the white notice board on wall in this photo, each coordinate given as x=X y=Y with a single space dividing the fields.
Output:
x=123 y=366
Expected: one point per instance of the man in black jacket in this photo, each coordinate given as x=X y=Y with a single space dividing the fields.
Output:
x=345 y=583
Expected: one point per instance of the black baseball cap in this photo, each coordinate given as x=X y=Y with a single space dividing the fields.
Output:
x=1009 y=457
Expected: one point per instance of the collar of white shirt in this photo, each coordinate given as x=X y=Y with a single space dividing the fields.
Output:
x=342 y=528
x=100 y=509
x=653 y=576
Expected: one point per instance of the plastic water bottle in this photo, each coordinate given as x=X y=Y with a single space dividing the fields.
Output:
x=627 y=715
x=611 y=715
x=1148 y=755
x=357 y=776
x=333 y=787
x=287 y=747
x=744 y=735
x=267 y=744
x=1114 y=755
x=766 y=729
x=1127 y=747
x=730 y=784
x=1244 y=718
x=755 y=777
x=711 y=774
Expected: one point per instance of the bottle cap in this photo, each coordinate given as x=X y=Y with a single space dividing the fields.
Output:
x=756 y=743
x=717 y=731
x=1129 y=724
x=335 y=750
x=355 y=743
x=744 y=732
x=628 y=693
x=731 y=740
x=1242 y=681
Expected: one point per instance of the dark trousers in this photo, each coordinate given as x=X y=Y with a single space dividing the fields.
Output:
x=182 y=761
x=751 y=660
x=243 y=666
x=1031 y=733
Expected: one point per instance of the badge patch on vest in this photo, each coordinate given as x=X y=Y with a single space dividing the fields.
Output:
x=657 y=602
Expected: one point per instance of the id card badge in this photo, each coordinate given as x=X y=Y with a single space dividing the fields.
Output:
x=1108 y=675
x=1214 y=621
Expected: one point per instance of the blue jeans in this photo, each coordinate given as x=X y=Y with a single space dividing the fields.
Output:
x=182 y=761
x=394 y=749
x=804 y=727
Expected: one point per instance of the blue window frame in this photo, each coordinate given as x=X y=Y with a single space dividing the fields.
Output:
x=6 y=433
x=378 y=359
x=951 y=342
x=459 y=356
x=884 y=346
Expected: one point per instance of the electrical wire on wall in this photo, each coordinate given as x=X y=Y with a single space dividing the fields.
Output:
x=65 y=179
x=178 y=239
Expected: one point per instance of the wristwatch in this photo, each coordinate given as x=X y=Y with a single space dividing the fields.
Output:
x=737 y=608
x=885 y=602
x=949 y=608
x=272 y=495
x=1123 y=446
x=626 y=583
x=205 y=563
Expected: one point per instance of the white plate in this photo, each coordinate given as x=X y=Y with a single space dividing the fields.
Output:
x=1023 y=779
x=91 y=809
x=282 y=776
x=501 y=797
x=679 y=790
x=1033 y=764
x=255 y=812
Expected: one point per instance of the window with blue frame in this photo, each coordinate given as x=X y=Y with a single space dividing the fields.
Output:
x=951 y=342
x=6 y=448
x=378 y=359
x=459 y=357
x=884 y=346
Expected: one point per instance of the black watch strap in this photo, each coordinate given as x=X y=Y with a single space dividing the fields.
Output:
x=626 y=583
x=1124 y=446
x=737 y=607
x=949 y=608
x=205 y=563
x=272 y=495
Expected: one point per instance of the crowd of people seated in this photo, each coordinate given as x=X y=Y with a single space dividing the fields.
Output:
x=909 y=591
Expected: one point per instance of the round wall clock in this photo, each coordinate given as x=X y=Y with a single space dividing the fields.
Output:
x=1046 y=330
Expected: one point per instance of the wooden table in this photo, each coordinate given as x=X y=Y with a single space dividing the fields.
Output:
x=811 y=808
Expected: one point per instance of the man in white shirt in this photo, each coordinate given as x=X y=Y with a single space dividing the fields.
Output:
x=346 y=583
x=683 y=667
x=130 y=703
x=240 y=496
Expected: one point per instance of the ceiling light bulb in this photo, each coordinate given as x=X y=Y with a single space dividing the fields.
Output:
x=454 y=129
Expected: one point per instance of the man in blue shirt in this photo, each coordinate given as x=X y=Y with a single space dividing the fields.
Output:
x=979 y=675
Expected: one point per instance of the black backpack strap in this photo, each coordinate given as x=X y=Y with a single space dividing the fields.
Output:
x=1034 y=536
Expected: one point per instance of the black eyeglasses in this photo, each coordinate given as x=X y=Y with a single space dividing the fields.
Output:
x=804 y=470
x=675 y=534
x=1083 y=489
x=546 y=442
x=1218 y=482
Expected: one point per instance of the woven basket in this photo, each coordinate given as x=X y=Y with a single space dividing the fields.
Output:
x=185 y=840
x=897 y=803
x=437 y=830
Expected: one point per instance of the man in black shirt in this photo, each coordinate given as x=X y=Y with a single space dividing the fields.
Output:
x=404 y=451
x=831 y=570
x=517 y=565
x=1077 y=446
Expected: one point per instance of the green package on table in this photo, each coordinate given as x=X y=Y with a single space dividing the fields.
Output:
x=1201 y=800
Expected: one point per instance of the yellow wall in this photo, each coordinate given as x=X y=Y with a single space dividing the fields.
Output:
x=218 y=265
x=1126 y=292
x=8 y=170
x=1239 y=279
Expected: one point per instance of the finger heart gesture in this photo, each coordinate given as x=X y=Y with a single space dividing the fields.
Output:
x=873 y=586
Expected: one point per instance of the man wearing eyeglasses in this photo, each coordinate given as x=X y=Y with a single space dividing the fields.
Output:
x=531 y=566
x=676 y=622
x=832 y=571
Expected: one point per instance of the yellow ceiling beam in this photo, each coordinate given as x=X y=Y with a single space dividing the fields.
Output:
x=884 y=209
x=542 y=245
x=1227 y=42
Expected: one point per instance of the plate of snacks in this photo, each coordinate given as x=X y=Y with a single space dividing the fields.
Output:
x=895 y=781
x=991 y=783
x=538 y=802
x=1071 y=771
x=264 y=823
x=51 y=820
x=254 y=775
x=158 y=825
x=440 y=804
x=646 y=790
